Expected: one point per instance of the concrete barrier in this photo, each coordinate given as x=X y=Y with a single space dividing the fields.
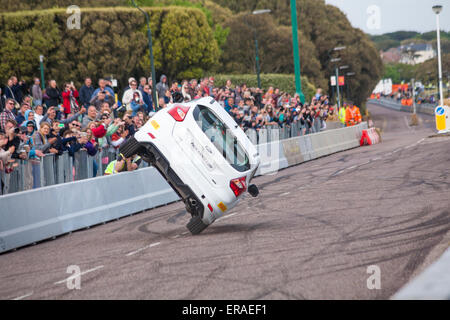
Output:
x=39 y=214
x=280 y=154
x=58 y=209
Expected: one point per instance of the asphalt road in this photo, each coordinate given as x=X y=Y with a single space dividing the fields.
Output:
x=311 y=234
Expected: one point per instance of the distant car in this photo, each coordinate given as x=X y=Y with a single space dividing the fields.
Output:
x=202 y=153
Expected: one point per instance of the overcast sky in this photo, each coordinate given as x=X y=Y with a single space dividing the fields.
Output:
x=382 y=16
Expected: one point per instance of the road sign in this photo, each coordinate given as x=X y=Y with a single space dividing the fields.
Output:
x=442 y=114
x=341 y=81
x=333 y=81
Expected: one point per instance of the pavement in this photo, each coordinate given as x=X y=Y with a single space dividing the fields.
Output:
x=358 y=224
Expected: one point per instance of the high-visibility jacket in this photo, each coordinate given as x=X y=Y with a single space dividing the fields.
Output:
x=111 y=168
x=352 y=116
x=342 y=114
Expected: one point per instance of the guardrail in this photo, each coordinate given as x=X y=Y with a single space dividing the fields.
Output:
x=54 y=210
x=395 y=105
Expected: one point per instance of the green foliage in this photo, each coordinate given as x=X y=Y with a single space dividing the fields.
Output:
x=399 y=72
x=321 y=28
x=285 y=82
x=427 y=72
x=110 y=42
x=395 y=39
x=14 y=5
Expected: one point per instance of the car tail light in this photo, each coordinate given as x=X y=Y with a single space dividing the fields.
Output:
x=179 y=112
x=238 y=186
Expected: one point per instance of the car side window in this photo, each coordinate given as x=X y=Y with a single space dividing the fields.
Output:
x=222 y=138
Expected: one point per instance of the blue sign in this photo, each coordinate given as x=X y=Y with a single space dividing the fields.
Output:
x=440 y=111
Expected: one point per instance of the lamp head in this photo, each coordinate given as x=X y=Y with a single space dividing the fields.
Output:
x=261 y=11
x=437 y=9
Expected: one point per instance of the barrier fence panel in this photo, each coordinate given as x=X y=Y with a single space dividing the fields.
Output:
x=57 y=169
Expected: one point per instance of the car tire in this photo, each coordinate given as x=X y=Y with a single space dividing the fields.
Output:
x=129 y=148
x=196 y=225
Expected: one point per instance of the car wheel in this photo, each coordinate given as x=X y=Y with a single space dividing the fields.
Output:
x=129 y=148
x=196 y=225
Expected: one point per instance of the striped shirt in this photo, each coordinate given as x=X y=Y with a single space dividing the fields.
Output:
x=4 y=117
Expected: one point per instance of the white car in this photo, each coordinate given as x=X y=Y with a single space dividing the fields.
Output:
x=202 y=153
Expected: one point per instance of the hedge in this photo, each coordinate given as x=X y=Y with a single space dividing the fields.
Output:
x=111 y=41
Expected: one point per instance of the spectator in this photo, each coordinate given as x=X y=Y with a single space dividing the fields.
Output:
x=142 y=83
x=18 y=89
x=42 y=141
x=7 y=114
x=128 y=96
x=102 y=87
x=86 y=92
x=123 y=164
x=5 y=153
x=29 y=117
x=38 y=115
x=161 y=86
x=147 y=97
x=50 y=116
x=92 y=116
x=99 y=129
x=100 y=99
x=53 y=94
x=137 y=104
x=36 y=92
x=69 y=96
x=31 y=127
x=129 y=124
x=185 y=92
x=119 y=137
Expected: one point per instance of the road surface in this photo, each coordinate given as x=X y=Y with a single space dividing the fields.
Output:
x=319 y=230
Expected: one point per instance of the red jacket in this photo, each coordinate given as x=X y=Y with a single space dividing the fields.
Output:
x=66 y=100
x=99 y=132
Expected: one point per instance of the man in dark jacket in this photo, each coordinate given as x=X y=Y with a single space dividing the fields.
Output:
x=54 y=95
x=86 y=92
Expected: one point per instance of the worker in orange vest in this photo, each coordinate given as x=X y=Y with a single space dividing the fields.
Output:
x=352 y=115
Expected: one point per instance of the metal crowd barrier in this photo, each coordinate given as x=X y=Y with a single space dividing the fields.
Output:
x=54 y=169
x=274 y=132
x=425 y=108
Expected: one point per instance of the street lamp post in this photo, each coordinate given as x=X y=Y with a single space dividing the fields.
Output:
x=150 y=47
x=298 y=79
x=41 y=66
x=437 y=10
x=258 y=69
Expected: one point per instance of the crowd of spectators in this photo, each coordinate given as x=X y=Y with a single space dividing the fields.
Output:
x=35 y=122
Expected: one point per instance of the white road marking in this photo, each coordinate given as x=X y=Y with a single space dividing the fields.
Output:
x=78 y=275
x=143 y=248
x=285 y=194
x=227 y=216
x=24 y=296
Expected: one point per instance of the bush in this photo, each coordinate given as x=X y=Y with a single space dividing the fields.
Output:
x=285 y=82
x=111 y=41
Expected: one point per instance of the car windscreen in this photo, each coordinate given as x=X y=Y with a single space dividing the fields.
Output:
x=222 y=138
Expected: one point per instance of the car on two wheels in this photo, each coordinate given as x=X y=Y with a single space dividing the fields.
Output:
x=202 y=153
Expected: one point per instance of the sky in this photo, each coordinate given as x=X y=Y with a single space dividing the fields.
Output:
x=381 y=16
